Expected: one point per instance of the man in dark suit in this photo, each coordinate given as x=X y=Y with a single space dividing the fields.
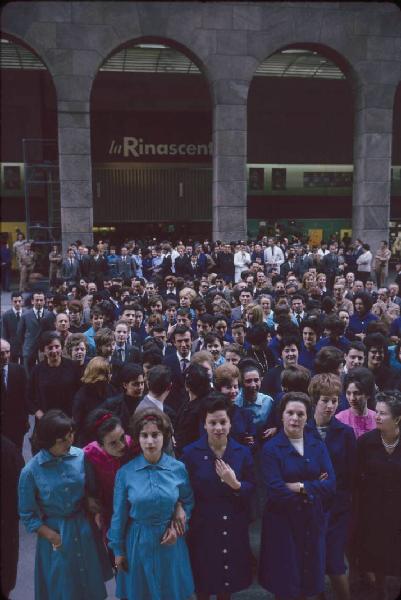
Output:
x=125 y=264
x=125 y=352
x=14 y=413
x=182 y=264
x=177 y=362
x=245 y=298
x=9 y=325
x=98 y=268
x=70 y=269
x=29 y=330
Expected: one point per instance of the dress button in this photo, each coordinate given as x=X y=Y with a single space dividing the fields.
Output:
x=66 y=489
x=78 y=554
x=224 y=550
x=205 y=458
x=75 y=539
x=225 y=517
x=226 y=583
x=226 y=567
x=224 y=532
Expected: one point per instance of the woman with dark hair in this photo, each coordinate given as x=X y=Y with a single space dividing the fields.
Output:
x=221 y=474
x=110 y=449
x=359 y=388
x=362 y=316
x=378 y=494
x=151 y=561
x=377 y=361
x=189 y=415
x=300 y=484
x=70 y=562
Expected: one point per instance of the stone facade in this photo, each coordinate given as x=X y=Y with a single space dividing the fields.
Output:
x=228 y=41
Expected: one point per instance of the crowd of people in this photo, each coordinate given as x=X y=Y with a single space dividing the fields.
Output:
x=179 y=393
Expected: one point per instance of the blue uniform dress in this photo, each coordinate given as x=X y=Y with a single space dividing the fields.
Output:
x=341 y=443
x=51 y=491
x=218 y=537
x=145 y=496
x=293 y=556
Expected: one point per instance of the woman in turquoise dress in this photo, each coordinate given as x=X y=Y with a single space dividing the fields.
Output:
x=152 y=561
x=71 y=563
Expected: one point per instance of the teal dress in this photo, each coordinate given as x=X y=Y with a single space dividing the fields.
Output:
x=51 y=492
x=145 y=496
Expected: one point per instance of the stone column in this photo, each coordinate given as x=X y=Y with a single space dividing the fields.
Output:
x=229 y=172
x=372 y=163
x=75 y=172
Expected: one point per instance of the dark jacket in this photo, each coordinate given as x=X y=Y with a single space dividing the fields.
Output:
x=14 y=411
x=88 y=397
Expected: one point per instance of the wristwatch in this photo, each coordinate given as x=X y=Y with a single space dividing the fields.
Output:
x=301 y=488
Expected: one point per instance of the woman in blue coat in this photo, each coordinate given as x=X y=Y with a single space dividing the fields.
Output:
x=300 y=483
x=340 y=440
x=221 y=474
x=152 y=563
x=71 y=563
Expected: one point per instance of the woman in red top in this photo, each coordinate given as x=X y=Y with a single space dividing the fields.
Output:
x=110 y=449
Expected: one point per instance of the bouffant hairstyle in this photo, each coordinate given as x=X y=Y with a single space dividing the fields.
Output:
x=99 y=423
x=364 y=381
x=54 y=425
x=224 y=375
x=393 y=400
x=324 y=384
x=151 y=415
x=97 y=370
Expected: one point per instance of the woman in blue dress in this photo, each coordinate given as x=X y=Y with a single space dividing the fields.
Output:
x=221 y=473
x=71 y=562
x=300 y=484
x=152 y=562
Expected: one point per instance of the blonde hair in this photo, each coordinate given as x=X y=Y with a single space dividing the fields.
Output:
x=188 y=292
x=97 y=369
x=257 y=313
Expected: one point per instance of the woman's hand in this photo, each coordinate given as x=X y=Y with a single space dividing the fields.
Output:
x=93 y=505
x=226 y=474
x=39 y=414
x=268 y=433
x=169 y=537
x=50 y=535
x=179 y=519
x=120 y=563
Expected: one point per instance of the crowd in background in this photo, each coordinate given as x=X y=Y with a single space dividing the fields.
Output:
x=200 y=386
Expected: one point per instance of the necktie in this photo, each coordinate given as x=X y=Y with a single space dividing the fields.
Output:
x=298 y=317
x=120 y=354
x=18 y=315
x=184 y=363
x=39 y=315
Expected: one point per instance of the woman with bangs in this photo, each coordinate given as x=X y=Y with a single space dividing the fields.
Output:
x=324 y=391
